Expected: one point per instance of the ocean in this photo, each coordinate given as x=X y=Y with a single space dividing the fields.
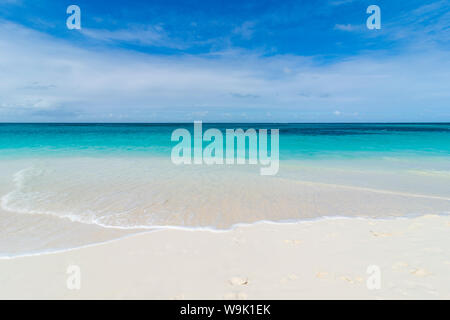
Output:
x=69 y=185
x=297 y=141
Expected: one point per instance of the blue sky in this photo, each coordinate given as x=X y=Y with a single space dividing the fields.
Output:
x=238 y=61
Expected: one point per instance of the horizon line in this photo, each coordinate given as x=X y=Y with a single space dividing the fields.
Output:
x=233 y=122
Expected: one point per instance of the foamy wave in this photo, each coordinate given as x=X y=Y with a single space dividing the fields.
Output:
x=13 y=201
x=432 y=173
x=135 y=194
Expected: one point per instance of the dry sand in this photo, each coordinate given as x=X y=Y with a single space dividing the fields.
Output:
x=321 y=259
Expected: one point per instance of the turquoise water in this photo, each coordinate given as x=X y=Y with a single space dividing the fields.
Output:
x=297 y=141
x=67 y=185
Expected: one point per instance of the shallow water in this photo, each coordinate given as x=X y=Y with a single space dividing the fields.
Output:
x=67 y=186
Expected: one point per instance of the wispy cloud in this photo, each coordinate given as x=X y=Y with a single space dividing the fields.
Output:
x=245 y=30
x=243 y=95
x=143 y=35
x=346 y=27
x=340 y=2
x=427 y=23
x=50 y=78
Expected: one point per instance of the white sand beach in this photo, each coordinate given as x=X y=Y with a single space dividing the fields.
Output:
x=224 y=150
x=326 y=259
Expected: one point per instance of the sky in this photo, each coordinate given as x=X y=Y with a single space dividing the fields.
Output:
x=224 y=61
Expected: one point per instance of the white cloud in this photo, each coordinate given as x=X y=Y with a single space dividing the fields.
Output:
x=147 y=36
x=245 y=30
x=346 y=27
x=425 y=25
x=53 y=79
x=340 y=2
